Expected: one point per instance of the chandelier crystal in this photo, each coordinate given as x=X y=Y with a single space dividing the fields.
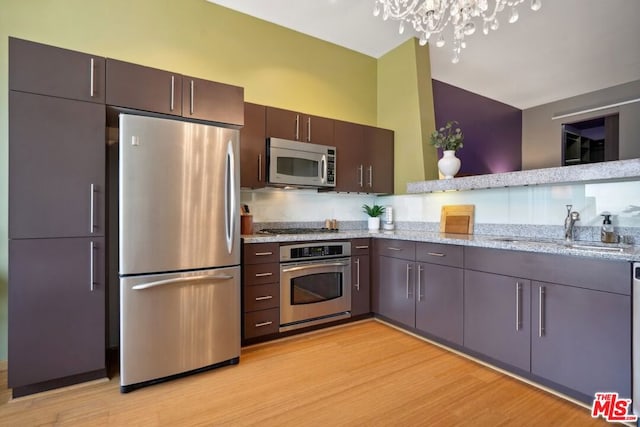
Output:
x=432 y=17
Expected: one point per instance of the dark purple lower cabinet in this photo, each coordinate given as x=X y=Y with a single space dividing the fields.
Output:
x=497 y=317
x=396 y=290
x=581 y=338
x=360 y=285
x=439 y=300
x=56 y=312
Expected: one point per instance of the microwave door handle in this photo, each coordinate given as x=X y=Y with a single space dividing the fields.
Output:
x=323 y=169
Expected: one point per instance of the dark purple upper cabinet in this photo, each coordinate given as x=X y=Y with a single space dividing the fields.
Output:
x=297 y=126
x=492 y=130
x=56 y=310
x=351 y=157
x=212 y=101
x=497 y=317
x=253 y=147
x=143 y=88
x=56 y=167
x=583 y=338
x=47 y=70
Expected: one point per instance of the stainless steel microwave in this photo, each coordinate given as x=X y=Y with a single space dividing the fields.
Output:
x=300 y=164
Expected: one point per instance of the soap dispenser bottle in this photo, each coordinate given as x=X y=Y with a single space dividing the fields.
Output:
x=607 y=235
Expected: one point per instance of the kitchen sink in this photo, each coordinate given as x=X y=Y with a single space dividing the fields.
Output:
x=596 y=248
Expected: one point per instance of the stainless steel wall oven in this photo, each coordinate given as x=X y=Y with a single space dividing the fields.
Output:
x=315 y=283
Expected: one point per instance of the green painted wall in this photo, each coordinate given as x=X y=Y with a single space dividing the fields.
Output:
x=276 y=66
x=408 y=111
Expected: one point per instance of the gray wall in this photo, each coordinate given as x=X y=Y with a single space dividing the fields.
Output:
x=541 y=136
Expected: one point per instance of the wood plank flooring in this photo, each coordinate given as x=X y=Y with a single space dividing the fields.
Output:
x=361 y=374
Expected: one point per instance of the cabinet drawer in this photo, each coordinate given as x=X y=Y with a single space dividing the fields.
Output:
x=261 y=297
x=402 y=249
x=258 y=253
x=436 y=253
x=259 y=274
x=360 y=246
x=263 y=322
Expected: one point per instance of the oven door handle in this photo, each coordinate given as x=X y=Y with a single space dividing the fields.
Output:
x=314 y=266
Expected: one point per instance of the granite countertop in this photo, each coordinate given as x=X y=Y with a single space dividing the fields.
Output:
x=527 y=244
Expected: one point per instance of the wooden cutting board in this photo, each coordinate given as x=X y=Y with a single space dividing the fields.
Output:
x=457 y=219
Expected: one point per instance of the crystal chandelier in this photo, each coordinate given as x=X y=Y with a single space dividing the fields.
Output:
x=429 y=17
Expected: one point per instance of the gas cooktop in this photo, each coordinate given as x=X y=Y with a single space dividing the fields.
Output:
x=296 y=230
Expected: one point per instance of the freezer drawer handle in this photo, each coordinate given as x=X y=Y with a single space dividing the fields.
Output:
x=180 y=280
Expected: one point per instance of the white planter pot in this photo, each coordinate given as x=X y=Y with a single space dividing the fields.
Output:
x=373 y=223
x=449 y=164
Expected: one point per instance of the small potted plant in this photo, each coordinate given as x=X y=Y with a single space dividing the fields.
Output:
x=374 y=212
x=450 y=138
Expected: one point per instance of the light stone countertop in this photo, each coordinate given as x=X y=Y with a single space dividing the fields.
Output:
x=526 y=244
x=592 y=172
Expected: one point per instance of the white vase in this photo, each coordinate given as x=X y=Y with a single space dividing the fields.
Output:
x=373 y=224
x=449 y=164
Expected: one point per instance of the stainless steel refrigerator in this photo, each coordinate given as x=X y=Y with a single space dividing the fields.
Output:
x=179 y=251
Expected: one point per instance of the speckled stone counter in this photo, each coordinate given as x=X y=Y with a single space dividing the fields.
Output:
x=614 y=170
x=543 y=245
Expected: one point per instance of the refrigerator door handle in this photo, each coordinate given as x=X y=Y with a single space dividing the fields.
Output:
x=180 y=280
x=230 y=196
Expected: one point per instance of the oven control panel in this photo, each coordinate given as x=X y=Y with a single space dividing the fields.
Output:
x=319 y=250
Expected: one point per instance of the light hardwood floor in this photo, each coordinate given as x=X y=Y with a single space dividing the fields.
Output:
x=364 y=373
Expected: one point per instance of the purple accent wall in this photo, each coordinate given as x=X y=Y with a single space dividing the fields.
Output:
x=492 y=130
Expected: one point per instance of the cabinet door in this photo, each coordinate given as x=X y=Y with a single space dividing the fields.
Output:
x=379 y=167
x=143 y=88
x=57 y=167
x=57 y=309
x=439 y=301
x=396 y=290
x=212 y=101
x=349 y=142
x=360 y=285
x=284 y=124
x=48 y=70
x=582 y=339
x=496 y=317
x=318 y=130
x=253 y=155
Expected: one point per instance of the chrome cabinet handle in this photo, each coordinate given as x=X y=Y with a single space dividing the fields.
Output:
x=259 y=167
x=92 y=223
x=308 y=129
x=92 y=281
x=260 y=325
x=408 y=270
x=357 y=285
x=263 y=253
x=361 y=181
x=436 y=254
x=370 y=176
x=420 y=296
x=391 y=248
x=541 y=303
x=91 y=79
x=180 y=280
x=264 y=274
x=362 y=247
x=518 y=303
x=297 y=127
x=192 y=94
x=173 y=83
x=264 y=298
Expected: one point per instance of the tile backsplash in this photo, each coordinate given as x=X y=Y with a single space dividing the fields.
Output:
x=524 y=208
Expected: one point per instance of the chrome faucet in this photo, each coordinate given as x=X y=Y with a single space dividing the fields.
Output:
x=569 y=223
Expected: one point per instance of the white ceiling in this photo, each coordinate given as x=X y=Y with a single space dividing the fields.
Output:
x=567 y=48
